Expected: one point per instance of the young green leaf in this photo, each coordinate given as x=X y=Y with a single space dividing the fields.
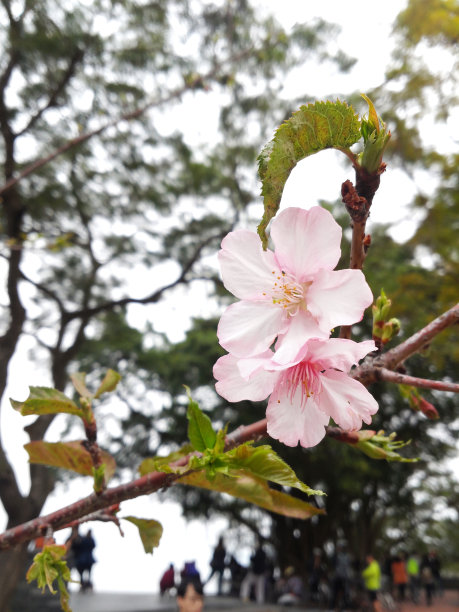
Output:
x=161 y=464
x=109 y=383
x=98 y=474
x=255 y=491
x=79 y=382
x=69 y=456
x=150 y=531
x=43 y=400
x=50 y=565
x=312 y=128
x=263 y=462
x=200 y=430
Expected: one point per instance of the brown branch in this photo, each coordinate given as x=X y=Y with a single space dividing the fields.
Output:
x=150 y=483
x=422 y=383
x=141 y=486
x=358 y=202
x=419 y=340
x=74 y=142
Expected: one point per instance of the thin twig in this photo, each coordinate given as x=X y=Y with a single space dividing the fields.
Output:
x=412 y=381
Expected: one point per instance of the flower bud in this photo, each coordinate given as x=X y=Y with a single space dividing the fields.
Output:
x=375 y=139
x=390 y=329
x=422 y=405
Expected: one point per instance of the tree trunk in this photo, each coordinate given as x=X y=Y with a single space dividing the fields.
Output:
x=12 y=564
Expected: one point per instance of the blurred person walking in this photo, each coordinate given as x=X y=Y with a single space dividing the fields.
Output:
x=82 y=549
x=218 y=564
x=414 y=577
x=399 y=576
x=372 y=579
x=341 y=578
x=255 y=576
x=167 y=581
x=427 y=579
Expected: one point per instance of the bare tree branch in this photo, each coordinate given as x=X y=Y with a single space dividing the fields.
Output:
x=149 y=299
x=53 y=98
x=74 y=142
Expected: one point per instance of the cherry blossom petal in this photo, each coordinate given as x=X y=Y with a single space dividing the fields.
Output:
x=346 y=400
x=338 y=353
x=290 y=422
x=306 y=241
x=248 y=366
x=234 y=388
x=246 y=268
x=302 y=328
x=249 y=328
x=338 y=298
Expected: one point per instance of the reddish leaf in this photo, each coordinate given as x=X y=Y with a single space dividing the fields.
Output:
x=68 y=455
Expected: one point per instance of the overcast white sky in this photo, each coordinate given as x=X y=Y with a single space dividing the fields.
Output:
x=122 y=565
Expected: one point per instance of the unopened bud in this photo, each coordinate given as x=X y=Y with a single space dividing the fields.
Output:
x=371 y=450
x=375 y=139
x=427 y=409
x=390 y=329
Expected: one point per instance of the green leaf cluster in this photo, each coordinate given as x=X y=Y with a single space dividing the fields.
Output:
x=243 y=471
x=49 y=566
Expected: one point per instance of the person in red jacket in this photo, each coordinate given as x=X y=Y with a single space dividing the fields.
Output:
x=167 y=581
x=399 y=576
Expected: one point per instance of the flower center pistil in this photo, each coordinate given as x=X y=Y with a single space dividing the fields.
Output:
x=287 y=293
x=304 y=377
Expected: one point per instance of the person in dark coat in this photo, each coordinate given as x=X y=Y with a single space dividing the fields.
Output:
x=82 y=549
x=218 y=564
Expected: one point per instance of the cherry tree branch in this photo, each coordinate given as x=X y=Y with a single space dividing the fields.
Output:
x=420 y=339
x=145 y=485
x=413 y=381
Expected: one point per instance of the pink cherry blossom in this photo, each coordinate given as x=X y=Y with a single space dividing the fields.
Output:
x=294 y=291
x=303 y=394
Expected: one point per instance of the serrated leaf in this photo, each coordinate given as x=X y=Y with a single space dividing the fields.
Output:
x=161 y=464
x=79 y=382
x=255 y=491
x=200 y=431
x=109 y=383
x=264 y=462
x=69 y=456
x=311 y=129
x=150 y=531
x=44 y=400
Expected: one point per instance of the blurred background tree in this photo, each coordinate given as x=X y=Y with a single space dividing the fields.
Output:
x=113 y=103
x=95 y=240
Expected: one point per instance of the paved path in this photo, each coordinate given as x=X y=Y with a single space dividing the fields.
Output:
x=127 y=602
